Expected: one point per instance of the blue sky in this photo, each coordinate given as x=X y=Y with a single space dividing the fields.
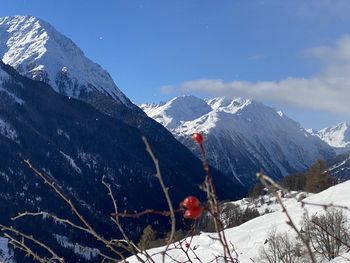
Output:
x=289 y=54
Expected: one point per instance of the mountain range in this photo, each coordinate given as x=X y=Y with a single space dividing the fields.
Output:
x=64 y=113
x=337 y=136
x=242 y=136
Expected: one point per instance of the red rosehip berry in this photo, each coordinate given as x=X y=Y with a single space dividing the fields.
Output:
x=194 y=213
x=190 y=202
x=187 y=245
x=198 y=138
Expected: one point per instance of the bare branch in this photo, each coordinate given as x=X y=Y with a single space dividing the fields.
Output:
x=265 y=180
x=52 y=216
x=326 y=206
x=215 y=208
x=146 y=212
x=165 y=191
x=31 y=238
x=131 y=246
x=59 y=191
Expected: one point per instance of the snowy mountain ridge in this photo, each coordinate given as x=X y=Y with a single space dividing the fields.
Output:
x=337 y=136
x=177 y=110
x=242 y=133
x=40 y=52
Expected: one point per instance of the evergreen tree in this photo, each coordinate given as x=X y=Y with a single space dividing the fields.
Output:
x=318 y=178
x=147 y=238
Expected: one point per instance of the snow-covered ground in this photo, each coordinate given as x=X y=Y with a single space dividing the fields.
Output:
x=249 y=237
x=84 y=252
x=5 y=253
x=8 y=131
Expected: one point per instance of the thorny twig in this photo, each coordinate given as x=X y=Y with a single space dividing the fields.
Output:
x=178 y=246
x=24 y=248
x=146 y=212
x=21 y=245
x=53 y=217
x=325 y=206
x=89 y=228
x=272 y=186
x=165 y=191
x=215 y=208
x=132 y=247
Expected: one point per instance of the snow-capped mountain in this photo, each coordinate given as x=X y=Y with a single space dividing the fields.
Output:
x=242 y=136
x=337 y=136
x=37 y=50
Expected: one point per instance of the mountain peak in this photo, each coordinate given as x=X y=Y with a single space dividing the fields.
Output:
x=37 y=50
x=342 y=125
x=337 y=136
x=177 y=110
x=184 y=100
x=242 y=136
x=229 y=105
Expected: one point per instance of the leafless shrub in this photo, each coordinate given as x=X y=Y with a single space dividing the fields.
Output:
x=328 y=232
x=279 y=248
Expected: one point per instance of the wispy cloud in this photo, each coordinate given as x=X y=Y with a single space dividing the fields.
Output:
x=329 y=90
x=257 y=57
x=325 y=9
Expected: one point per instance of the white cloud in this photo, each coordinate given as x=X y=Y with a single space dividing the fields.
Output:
x=324 y=9
x=329 y=90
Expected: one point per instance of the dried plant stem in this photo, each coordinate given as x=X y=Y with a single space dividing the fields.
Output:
x=130 y=245
x=326 y=206
x=214 y=207
x=165 y=191
x=146 y=212
x=25 y=248
x=53 y=217
x=272 y=186
x=89 y=228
